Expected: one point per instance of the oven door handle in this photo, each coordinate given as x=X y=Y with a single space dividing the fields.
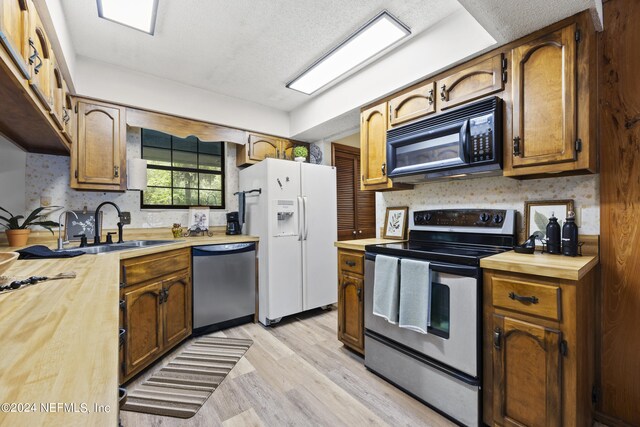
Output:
x=458 y=270
x=465 y=136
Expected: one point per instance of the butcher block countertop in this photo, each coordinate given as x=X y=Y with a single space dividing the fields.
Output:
x=358 y=245
x=546 y=265
x=59 y=339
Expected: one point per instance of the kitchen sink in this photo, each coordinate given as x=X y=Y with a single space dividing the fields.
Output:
x=112 y=247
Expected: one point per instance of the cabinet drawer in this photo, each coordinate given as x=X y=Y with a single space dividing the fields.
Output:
x=353 y=262
x=141 y=269
x=527 y=297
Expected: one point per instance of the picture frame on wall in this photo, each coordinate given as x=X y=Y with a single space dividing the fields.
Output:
x=83 y=224
x=538 y=212
x=395 y=223
x=199 y=218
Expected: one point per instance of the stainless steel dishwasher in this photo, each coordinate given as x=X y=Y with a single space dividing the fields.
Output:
x=224 y=286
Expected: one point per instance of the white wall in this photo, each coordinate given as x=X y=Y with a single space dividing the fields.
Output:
x=454 y=38
x=105 y=81
x=351 y=140
x=12 y=177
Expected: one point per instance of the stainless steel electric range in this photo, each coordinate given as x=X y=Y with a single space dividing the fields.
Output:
x=442 y=368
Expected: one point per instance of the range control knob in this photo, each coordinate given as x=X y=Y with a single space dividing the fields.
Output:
x=427 y=217
x=497 y=218
x=484 y=217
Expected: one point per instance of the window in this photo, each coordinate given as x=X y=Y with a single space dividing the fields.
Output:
x=182 y=172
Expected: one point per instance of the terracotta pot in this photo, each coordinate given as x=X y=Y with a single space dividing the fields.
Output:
x=18 y=237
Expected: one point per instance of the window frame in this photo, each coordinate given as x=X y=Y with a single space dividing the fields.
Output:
x=221 y=173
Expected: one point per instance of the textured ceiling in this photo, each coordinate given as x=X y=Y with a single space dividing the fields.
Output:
x=248 y=49
x=509 y=20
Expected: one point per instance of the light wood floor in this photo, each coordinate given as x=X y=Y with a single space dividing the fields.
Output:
x=298 y=374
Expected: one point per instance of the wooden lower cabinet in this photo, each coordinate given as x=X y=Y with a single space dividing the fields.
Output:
x=156 y=313
x=351 y=299
x=527 y=373
x=177 y=307
x=538 y=350
x=143 y=323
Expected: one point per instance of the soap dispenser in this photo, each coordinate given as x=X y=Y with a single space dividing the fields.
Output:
x=553 y=236
x=570 y=235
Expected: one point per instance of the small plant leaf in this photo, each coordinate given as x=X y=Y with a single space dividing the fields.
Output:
x=46 y=224
x=3 y=209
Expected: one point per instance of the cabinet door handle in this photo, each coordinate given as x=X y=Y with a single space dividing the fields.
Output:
x=430 y=97
x=33 y=56
x=497 y=338
x=350 y=263
x=121 y=335
x=161 y=297
x=65 y=115
x=527 y=300
x=116 y=171
x=516 y=146
x=359 y=231
x=353 y=232
x=359 y=292
x=166 y=295
x=384 y=169
x=37 y=67
x=443 y=93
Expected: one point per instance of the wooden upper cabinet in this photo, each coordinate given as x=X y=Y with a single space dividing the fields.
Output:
x=177 y=309
x=68 y=115
x=411 y=105
x=527 y=377
x=544 y=100
x=472 y=82
x=40 y=61
x=143 y=320
x=262 y=146
x=14 y=33
x=57 y=96
x=373 y=145
x=101 y=145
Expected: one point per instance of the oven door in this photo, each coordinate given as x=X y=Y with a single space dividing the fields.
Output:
x=454 y=334
x=429 y=149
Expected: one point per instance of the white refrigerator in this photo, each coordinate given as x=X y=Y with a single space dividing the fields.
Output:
x=295 y=216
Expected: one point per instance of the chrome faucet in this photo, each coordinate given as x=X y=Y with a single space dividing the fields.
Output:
x=61 y=241
x=96 y=237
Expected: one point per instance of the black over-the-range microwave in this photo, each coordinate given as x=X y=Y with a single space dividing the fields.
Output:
x=461 y=142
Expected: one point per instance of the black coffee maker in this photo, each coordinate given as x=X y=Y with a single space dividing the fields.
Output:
x=233 y=223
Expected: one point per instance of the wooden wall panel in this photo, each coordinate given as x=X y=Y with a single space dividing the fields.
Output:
x=620 y=210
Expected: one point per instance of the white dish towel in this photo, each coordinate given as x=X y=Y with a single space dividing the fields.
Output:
x=415 y=295
x=386 y=288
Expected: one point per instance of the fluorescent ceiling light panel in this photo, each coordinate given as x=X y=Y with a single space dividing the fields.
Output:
x=374 y=37
x=137 y=14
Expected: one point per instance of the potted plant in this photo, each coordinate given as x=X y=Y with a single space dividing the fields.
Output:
x=300 y=153
x=18 y=234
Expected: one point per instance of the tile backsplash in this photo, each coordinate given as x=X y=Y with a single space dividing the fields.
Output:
x=500 y=193
x=49 y=176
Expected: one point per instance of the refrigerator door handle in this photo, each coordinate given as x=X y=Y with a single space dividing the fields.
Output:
x=300 y=216
x=306 y=218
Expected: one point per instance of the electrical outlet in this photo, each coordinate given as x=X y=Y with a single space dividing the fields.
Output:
x=125 y=218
